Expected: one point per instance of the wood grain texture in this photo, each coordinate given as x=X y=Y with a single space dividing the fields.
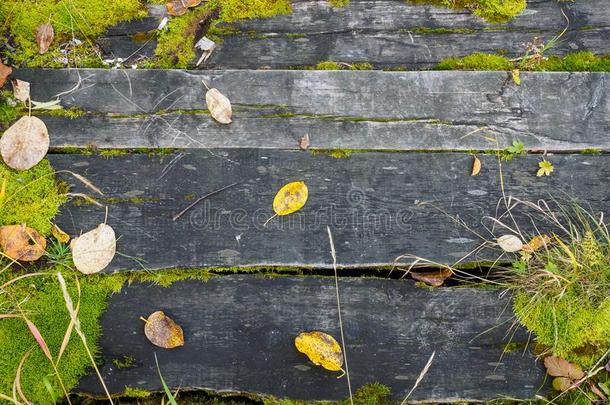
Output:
x=379 y=205
x=239 y=334
x=385 y=33
x=339 y=109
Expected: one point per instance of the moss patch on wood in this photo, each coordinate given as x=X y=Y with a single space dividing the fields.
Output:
x=496 y=11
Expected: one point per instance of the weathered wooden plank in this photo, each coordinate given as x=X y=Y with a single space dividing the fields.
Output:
x=344 y=109
x=380 y=205
x=239 y=338
x=388 y=33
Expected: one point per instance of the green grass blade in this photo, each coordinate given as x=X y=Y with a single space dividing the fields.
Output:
x=169 y=394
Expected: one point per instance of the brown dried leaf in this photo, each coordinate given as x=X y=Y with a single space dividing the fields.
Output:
x=5 y=72
x=22 y=243
x=94 y=250
x=219 y=106
x=25 y=143
x=177 y=8
x=558 y=367
x=321 y=348
x=162 y=331
x=44 y=37
x=304 y=142
x=21 y=90
x=433 y=278
x=476 y=166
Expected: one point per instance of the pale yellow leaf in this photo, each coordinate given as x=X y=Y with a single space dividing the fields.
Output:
x=476 y=166
x=25 y=143
x=510 y=243
x=219 y=106
x=93 y=251
x=321 y=348
x=291 y=198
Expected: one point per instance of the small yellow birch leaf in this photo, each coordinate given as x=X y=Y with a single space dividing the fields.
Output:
x=545 y=168
x=162 y=331
x=536 y=243
x=59 y=234
x=476 y=166
x=291 y=198
x=516 y=77
x=321 y=348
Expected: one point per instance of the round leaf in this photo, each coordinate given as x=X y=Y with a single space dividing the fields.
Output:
x=219 y=106
x=162 y=331
x=291 y=198
x=22 y=243
x=321 y=348
x=94 y=250
x=25 y=143
x=510 y=243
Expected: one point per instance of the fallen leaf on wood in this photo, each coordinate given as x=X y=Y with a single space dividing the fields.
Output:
x=177 y=8
x=219 y=106
x=44 y=37
x=25 y=143
x=162 y=331
x=21 y=90
x=5 y=72
x=46 y=105
x=433 y=278
x=558 y=367
x=545 y=168
x=60 y=235
x=291 y=198
x=510 y=243
x=562 y=384
x=93 y=251
x=321 y=348
x=476 y=166
x=22 y=243
x=536 y=243
x=304 y=142
x=516 y=75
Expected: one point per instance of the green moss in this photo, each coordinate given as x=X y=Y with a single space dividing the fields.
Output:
x=440 y=30
x=8 y=113
x=336 y=153
x=71 y=113
x=476 y=61
x=576 y=62
x=590 y=151
x=131 y=392
x=124 y=362
x=86 y=19
x=514 y=347
x=497 y=11
x=338 y=3
x=31 y=197
x=331 y=65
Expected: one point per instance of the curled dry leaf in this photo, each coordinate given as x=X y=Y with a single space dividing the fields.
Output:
x=21 y=90
x=44 y=37
x=219 y=106
x=536 y=243
x=5 y=72
x=321 y=348
x=304 y=142
x=59 y=234
x=476 y=166
x=162 y=331
x=510 y=243
x=558 y=367
x=177 y=8
x=25 y=143
x=94 y=250
x=433 y=278
x=291 y=198
x=22 y=243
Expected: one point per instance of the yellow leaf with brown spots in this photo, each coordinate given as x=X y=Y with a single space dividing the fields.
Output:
x=162 y=331
x=321 y=348
x=291 y=198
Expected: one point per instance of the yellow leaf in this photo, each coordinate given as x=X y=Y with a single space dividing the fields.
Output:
x=291 y=198
x=476 y=166
x=546 y=168
x=321 y=348
x=162 y=331
x=516 y=77
x=59 y=234
x=536 y=243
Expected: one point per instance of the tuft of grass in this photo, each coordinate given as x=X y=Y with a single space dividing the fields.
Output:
x=496 y=11
x=31 y=196
x=85 y=19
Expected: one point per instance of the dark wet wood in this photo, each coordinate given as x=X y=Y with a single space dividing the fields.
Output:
x=240 y=330
x=353 y=110
x=385 y=33
x=379 y=205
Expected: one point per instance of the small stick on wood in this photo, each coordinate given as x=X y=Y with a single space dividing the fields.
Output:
x=178 y=215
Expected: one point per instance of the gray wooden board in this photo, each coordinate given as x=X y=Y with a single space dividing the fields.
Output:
x=384 y=33
x=379 y=205
x=339 y=109
x=239 y=333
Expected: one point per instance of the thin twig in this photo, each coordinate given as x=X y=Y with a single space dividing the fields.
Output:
x=334 y=255
x=178 y=215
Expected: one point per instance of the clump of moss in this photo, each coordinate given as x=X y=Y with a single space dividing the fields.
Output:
x=476 y=61
x=31 y=196
x=331 y=65
x=8 y=112
x=496 y=11
x=85 y=19
x=584 y=61
x=562 y=291
x=338 y=3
